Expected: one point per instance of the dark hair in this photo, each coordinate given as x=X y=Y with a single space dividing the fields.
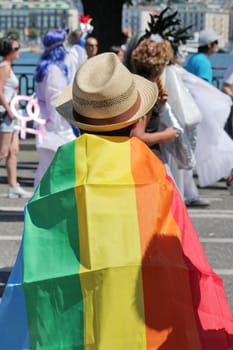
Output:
x=206 y=48
x=120 y=132
x=115 y=49
x=6 y=45
x=130 y=46
x=74 y=36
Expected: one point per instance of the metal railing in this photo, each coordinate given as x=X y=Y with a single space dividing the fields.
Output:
x=25 y=74
x=218 y=74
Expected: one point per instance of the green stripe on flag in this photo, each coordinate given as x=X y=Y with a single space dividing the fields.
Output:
x=51 y=259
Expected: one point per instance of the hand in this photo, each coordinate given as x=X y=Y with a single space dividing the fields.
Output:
x=170 y=134
x=11 y=115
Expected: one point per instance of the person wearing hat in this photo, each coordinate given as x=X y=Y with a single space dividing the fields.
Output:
x=109 y=256
x=199 y=64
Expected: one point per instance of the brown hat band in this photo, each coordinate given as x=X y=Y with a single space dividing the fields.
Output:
x=120 y=118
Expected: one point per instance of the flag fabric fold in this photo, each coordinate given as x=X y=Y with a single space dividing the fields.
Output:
x=110 y=259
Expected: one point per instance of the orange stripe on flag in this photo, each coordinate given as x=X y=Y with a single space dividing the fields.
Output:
x=168 y=306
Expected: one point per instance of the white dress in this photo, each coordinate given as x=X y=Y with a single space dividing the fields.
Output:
x=188 y=115
x=214 y=149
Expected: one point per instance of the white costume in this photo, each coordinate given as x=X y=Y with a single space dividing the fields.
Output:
x=214 y=149
x=188 y=115
x=57 y=130
x=75 y=57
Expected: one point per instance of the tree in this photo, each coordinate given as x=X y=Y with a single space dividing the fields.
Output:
x=32 y=33
x=106 y=19
x=15 y=32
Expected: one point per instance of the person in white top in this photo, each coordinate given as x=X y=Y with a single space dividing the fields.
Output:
x=9 y=140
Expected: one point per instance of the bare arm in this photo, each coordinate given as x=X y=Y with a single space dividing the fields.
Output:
x=152 y=138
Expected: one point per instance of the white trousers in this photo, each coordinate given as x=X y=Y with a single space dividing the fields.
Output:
x=45 y=158
x=190 y=188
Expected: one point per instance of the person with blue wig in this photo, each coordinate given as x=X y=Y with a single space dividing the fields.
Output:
x=51 y=78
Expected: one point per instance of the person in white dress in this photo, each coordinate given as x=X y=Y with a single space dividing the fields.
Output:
x=214 y=150
x=9 y=139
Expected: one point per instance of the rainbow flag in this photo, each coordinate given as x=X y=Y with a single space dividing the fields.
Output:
x=110 y=260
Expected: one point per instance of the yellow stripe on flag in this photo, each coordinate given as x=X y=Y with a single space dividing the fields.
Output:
x=110 y=270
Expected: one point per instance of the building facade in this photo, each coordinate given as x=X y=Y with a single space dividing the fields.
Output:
x=42 y=16
x=199 y=15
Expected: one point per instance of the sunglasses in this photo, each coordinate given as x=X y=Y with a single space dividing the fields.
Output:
x=92 y=45
x=16 y=48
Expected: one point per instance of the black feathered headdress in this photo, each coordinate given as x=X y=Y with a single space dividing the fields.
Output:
x=168 y=26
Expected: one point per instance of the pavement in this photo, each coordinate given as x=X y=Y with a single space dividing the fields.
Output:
x=214 y=225
x=11 y=210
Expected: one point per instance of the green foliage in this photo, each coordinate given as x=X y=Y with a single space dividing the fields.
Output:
x=31 y=33
x=15 y=32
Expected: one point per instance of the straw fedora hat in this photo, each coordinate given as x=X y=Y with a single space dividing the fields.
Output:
x=105 y=96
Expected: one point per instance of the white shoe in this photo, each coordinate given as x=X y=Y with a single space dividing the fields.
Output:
x=18 y=192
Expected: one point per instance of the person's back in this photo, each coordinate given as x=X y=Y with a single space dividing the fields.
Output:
x=200 y=65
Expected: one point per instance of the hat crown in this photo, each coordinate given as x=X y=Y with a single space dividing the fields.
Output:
x=207 y=36
x=106 y=96
x=102 y=93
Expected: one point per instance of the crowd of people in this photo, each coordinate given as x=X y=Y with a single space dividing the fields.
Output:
x=109 y=257
x=64 y=54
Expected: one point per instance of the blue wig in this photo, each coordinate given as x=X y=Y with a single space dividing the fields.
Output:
x=54 y=53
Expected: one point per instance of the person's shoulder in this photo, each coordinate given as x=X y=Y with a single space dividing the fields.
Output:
x=5 y=70
x=5 y=66
x=192 y=59
x=199 y=56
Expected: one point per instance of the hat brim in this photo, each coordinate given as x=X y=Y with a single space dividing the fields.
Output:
x=207 y=42
x=148 y=93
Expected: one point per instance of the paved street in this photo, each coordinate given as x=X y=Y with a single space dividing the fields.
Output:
x=214 y=225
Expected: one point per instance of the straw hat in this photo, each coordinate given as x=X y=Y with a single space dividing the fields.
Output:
x=105 y=96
